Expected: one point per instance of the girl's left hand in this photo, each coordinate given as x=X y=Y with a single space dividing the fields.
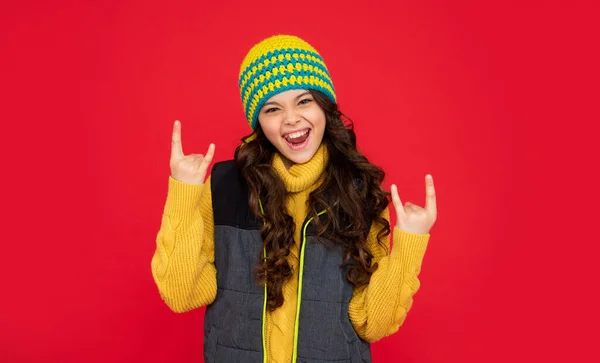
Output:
x=412 y=218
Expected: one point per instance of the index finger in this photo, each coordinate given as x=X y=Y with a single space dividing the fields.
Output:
x=176 y=147
x=430 y=204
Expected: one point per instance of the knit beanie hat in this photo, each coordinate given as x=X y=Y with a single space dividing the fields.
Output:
x=277 y=64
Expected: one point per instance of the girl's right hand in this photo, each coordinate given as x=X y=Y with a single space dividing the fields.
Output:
x=190 y=169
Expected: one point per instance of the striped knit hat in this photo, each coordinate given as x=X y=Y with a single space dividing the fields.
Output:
x=277 y=64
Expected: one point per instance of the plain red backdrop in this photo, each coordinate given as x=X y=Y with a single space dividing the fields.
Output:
x=489 y=98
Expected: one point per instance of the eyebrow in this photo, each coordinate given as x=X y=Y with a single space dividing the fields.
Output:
x=296 y=98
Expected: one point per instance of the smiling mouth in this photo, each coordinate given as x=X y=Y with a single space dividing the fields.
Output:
x=298 y=139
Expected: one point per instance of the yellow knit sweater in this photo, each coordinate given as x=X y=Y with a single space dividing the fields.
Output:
x=183 y=263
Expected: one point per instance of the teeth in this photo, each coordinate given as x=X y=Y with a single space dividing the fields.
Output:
x=297 y=134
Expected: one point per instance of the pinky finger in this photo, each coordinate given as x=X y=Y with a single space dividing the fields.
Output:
x=396 y=200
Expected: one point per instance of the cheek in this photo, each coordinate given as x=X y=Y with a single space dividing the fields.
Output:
x=317 y=118
x=271 y=128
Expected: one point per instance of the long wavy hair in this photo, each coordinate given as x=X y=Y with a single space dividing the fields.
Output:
x=351 y=194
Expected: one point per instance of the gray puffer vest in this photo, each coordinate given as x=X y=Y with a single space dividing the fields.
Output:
x=234 y=322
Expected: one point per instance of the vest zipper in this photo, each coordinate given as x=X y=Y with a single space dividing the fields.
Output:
x=264 y=312
x=300 y=274
x=299 y=299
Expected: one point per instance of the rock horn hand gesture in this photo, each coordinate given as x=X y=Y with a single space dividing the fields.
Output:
x=413 y=218
x=190 y=168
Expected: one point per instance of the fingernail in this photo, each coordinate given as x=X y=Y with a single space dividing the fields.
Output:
x=428 y=176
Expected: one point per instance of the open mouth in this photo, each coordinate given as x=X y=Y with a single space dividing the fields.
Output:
x=297 y=140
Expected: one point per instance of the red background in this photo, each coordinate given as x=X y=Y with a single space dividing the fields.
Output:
x=497 y=101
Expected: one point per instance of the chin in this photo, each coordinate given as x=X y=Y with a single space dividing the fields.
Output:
x=298 y=156
x=301 y=159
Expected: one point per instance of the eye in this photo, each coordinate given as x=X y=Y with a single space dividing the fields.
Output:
x=304 y=101
x=272 y=109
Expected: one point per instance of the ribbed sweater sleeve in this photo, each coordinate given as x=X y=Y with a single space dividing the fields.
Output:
x=183 y=262
x=380 y=308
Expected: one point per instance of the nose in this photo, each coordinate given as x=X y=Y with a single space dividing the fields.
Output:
x=291 y=117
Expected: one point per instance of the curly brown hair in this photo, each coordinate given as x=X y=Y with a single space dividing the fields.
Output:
x=351 y=194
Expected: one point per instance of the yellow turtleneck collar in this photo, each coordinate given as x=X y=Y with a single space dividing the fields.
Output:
x=299 y=177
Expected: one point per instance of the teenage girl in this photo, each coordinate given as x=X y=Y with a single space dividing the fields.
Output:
x=288 y=244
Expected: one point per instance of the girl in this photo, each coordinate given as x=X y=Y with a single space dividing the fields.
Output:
x=288 y=244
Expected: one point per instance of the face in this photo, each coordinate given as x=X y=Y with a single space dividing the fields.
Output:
x=294 y=123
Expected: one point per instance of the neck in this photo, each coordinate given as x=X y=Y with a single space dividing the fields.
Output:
x=287 y=162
